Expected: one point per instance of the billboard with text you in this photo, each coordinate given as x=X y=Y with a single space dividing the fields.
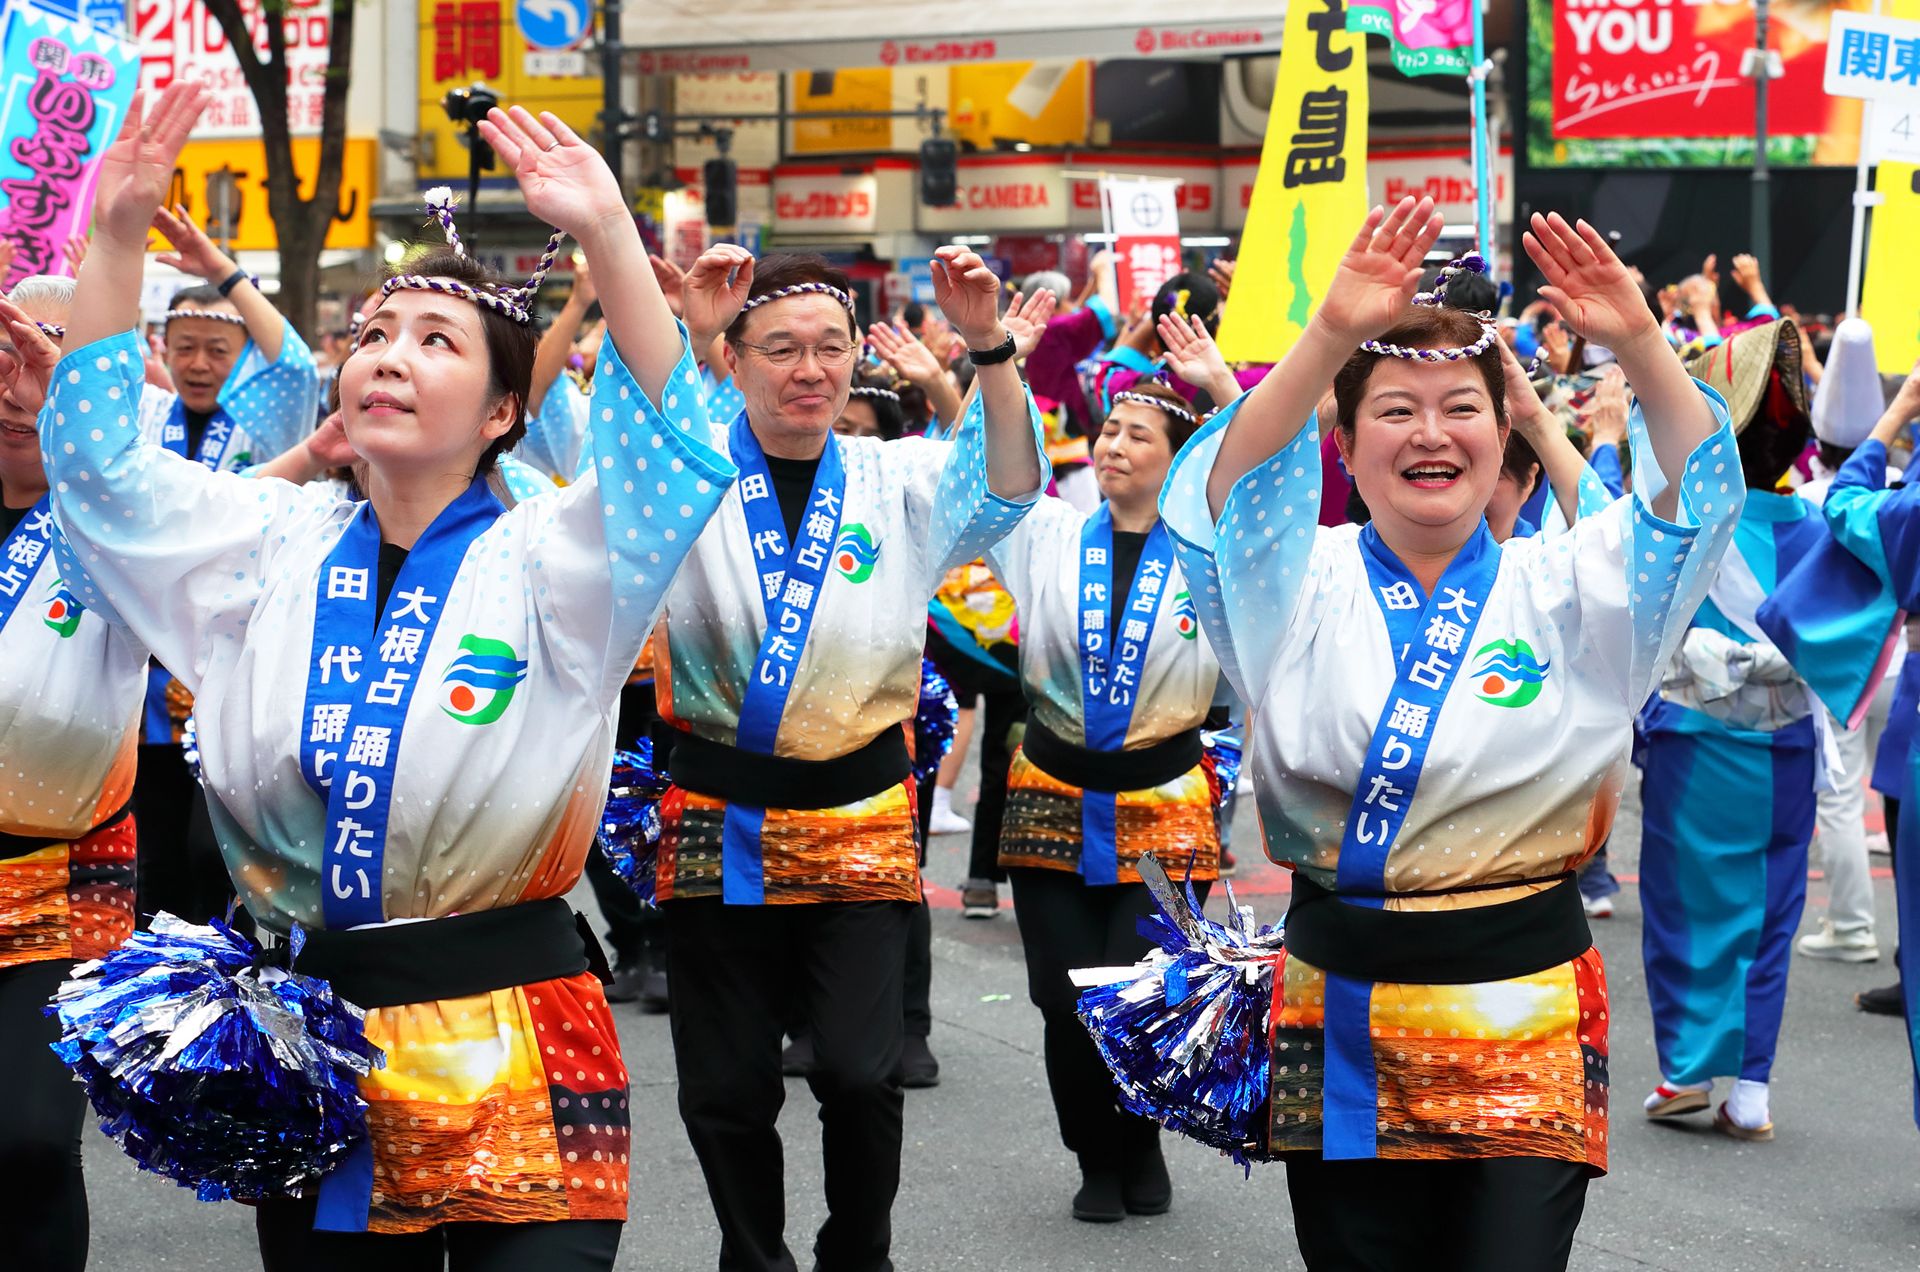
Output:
x=1658 y=83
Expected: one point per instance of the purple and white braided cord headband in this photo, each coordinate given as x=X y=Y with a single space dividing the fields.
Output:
x=512 y=302
x=799 y=289
x=1471 y=263
x=1158 y=404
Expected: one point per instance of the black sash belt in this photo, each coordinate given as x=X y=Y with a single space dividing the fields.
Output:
x=1135 y=770
x=454 y=957
x=1438 y=947
x=12 y=846
x=719 y=771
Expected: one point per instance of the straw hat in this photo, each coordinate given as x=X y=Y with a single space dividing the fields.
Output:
x=1737 y=367
x=1850 y=399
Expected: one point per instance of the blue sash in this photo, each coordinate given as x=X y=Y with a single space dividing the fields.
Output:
x=365 y=669
x=29 y=541
x=1110 y=665
x=1431 y=636
x=213 y=442
x=791 y=576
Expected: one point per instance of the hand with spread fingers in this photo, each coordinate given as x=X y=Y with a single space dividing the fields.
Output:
x=565 y=181
x=1375 y=282
x=1586 y=283
x=1195 y=358
x=193 y=252
x=136 y=171
x=25 y=373
x=900 y=349
x=1027 y=318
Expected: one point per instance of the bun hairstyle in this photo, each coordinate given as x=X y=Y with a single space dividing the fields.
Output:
x=1182 y=421
x=887 y=402
x=510 y=344
x=1188 y=296
x=779 y=271
x=1426 y=327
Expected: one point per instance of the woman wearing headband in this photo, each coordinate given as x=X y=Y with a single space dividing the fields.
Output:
x=70 y=685
x=1443 y=740
x=1118 y=679
x=369 y=674
x=788 y=662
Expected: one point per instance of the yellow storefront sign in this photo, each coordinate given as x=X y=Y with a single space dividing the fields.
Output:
x=1040 y=103
x=1311 y=192
x=467 y=41
x=224 y=186
x=817 y=92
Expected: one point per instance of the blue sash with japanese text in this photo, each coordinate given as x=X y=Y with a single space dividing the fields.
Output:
x=213 y=442
x=1430 y=636
x=364 y=671
x=791 y=577
x=20 y=556
x=1110 y=664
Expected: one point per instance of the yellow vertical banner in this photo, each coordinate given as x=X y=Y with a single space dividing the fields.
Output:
x=1890 y=288
x=1311 y=191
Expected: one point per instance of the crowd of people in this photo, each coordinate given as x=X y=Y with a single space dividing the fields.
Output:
x=1447 y=600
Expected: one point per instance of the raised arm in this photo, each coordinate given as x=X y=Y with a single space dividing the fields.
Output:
x=194 y=253
x=1196 y=359
x=1904 y=407
x=915 y=363
x=1560 y=461
x=567 y=184
x=969 y=295
x=556 y=342
x=1596 y=296
x=1371 y=290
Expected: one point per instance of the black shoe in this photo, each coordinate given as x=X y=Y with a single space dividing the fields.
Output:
x=1888 y=1000
x=1099 y=1199
x=797 y=1060
x=1145 y=1186
x=626 y=984
x=653 y=991
x=917 y=1069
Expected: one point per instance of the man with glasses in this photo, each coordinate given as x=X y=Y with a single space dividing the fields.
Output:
x=787 y=661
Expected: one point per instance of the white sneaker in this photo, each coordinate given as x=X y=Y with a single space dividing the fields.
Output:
x=1841 y=947
x=1597 y=907
x=945 y=820
x=1877 y=844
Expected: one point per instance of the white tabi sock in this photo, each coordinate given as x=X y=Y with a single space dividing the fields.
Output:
x=1747 y=1107
x=942 y=800
x=1667 y=1090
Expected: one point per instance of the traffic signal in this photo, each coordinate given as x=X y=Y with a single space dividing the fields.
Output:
x=939 y=175
x=723 y=193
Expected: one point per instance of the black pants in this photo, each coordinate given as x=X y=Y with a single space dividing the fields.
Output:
x=43 y=1196
x=735 y=970
x=288 y=1243
x=1003 y=706
x=1513 y=1214
x=177 y=859
x=1065 y=924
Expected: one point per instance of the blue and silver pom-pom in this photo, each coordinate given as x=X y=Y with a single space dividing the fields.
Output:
x=933 y=723
x=630 y=827
x=190 y=746
x=1221 y=753
x=1185 y=1031
x=232 y=1078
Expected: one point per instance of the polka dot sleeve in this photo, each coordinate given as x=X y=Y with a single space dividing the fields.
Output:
x=1246 y=571
x=605 y=549
x=180 y=554
x=947 y=492
x=556 y=433
x=278 y=402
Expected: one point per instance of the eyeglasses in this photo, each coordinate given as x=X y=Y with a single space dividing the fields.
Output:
x=829 y=353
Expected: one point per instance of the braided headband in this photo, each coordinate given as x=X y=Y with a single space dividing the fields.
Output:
x=509 y=302
x=799 y=289
x=211 y=315
x=1158 y=404
x=1471 y=263
x=52 y=329
x=869 y=391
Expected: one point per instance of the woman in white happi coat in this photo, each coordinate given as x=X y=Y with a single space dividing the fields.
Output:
x=1440 y=728
x=405 y=705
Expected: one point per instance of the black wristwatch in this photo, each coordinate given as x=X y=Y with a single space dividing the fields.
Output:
x=232 y=281
x=1001 y=352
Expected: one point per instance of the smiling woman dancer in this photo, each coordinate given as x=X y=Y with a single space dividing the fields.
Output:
x=1445 y=729
x=350 y=803
x=1118 y=681
x=787 y=662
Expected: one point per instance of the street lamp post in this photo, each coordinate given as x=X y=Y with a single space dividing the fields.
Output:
x=1762 y=71
x=612 y=114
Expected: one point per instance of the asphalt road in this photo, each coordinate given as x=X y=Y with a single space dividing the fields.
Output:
x=986 y=1182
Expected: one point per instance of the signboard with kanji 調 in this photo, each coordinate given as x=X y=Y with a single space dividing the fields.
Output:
x=1144 y=217
x=468 y=41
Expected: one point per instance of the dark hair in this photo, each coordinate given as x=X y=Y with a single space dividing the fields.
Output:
x=1203 y=299
x=888 y=415
x=510 y=346
x=1427 y=327
x=1774 y=438
x=914 y=315
x=1519 y=461
x=200 y=296
x=787 y=269
x=1473 y=293
x=1178 y=429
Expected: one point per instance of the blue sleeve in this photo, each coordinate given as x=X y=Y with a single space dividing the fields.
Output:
x=1246 y=571
x=956 y=514
x=556 y=432
x=279 y=402
x=1881 y=527
x=1604 y=463
x=1762 y=313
